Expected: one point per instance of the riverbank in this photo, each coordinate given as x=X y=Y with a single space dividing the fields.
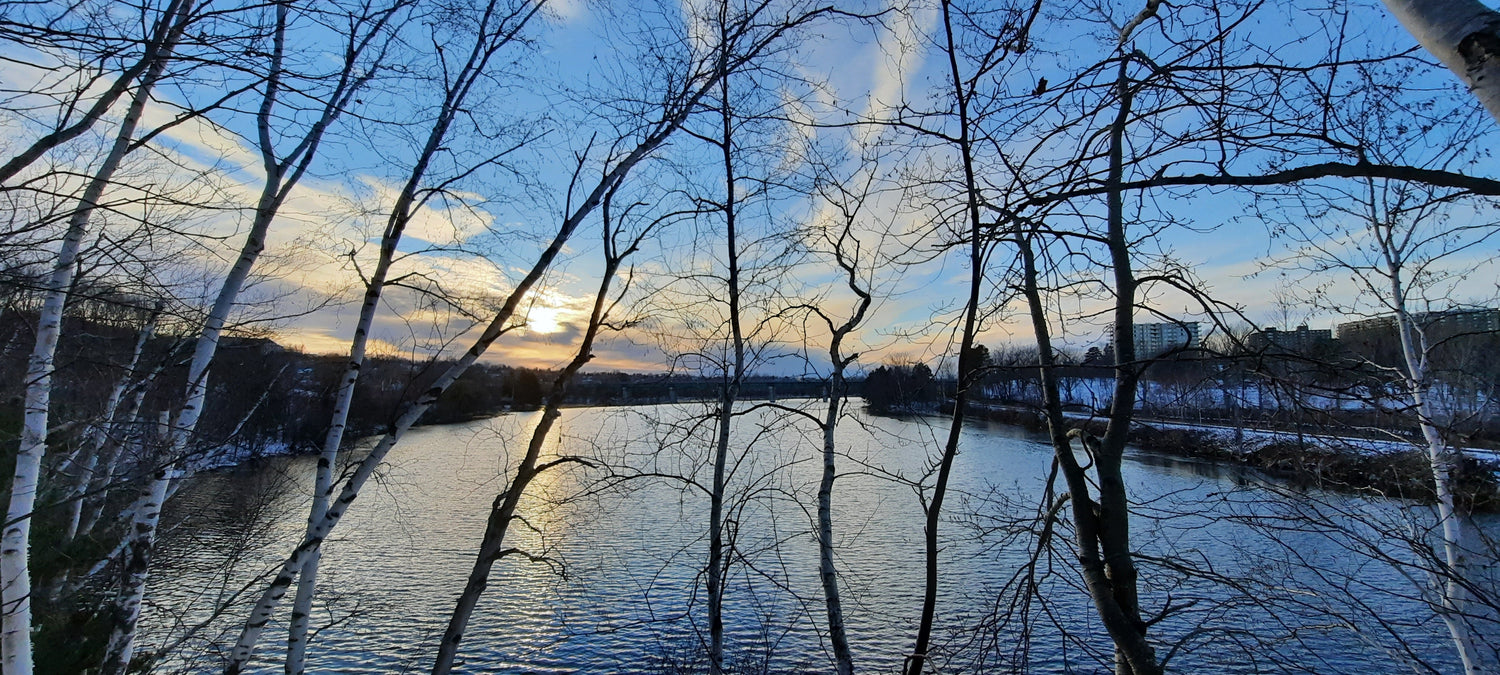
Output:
x=1389 y=468
x=1355 y=465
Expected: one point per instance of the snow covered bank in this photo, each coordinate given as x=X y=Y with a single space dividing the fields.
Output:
x=1390 y=467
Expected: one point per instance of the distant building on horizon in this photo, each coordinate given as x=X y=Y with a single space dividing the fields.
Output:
x=1444 y=323
x=1376 y=338
x=1153 y=339
x=1303 y=340
x=1365 y=330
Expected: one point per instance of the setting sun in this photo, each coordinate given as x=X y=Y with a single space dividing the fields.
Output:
x=545 y=320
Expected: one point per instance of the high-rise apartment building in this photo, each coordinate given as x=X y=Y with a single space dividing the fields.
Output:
x=1437 y=325
x=1376 y=338
x=1303 y=340
x=1152 y=339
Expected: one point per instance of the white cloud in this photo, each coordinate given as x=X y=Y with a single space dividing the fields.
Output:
x=899 y=52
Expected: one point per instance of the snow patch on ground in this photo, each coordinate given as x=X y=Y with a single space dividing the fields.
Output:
x=234 y=455
x=1259 y=437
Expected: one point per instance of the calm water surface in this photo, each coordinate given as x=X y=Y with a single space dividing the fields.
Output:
x=619 y=589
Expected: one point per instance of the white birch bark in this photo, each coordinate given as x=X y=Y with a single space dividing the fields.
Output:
x=15 y=574
x=159 y=46
x=163 y=424
x=833 y=604
x=281 y=176
x=1464 y=35
x=177 y=439
x=837 y=391
x=81 y=483
x=273 y=193
x=1444 y=462
x=407 y=203
x=145 y=517
x=141 y=541
x=677 y=105
x=114 y=443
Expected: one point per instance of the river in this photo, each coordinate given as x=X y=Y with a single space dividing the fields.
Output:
x=1268 y=580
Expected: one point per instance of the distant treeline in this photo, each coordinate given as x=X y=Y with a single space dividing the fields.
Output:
x=289 y=393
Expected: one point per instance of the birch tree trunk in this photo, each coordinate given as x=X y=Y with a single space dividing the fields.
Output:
x=313 y=539
x=159 y=45
x=114 y=443
x=1464 y=35
x=261 y=614
x=837 y=390
x=837 y=633
x=485 y=46
x=140 y=544
x=282 y=173
x=1444 y=462
x=848 y=261
x=15 y=574
x=271 y=196
x=145 y=517
x=675 y=107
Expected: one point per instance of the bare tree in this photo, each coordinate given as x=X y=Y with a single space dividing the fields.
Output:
x=1101 y=523
x=117 y=409
x=1099 y=504
x=498 y=28
x=144 y=517
x=722 y=313
x=618 y=244
x=362 y=60
x=95 y=48
x=737 y=360
x=683 y=91
x=1403 y=247
x=839 y=240
x=959 y=95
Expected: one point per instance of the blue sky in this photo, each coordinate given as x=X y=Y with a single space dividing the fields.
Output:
x=482 y=240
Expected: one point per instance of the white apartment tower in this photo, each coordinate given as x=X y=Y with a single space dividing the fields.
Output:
x=1152 y=339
